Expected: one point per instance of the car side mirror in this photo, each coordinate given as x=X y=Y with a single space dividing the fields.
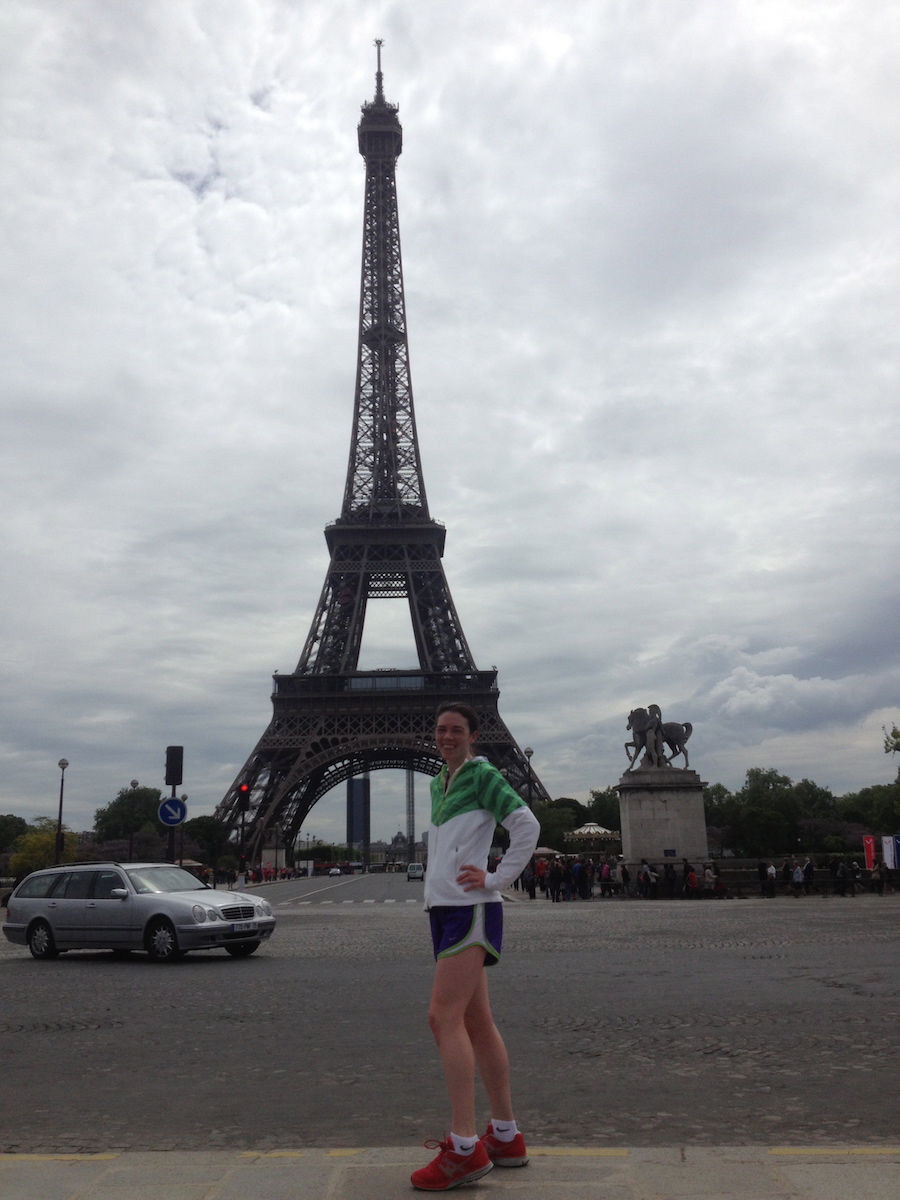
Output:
x=119 y=893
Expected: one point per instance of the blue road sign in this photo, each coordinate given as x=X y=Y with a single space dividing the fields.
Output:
x=172 y=811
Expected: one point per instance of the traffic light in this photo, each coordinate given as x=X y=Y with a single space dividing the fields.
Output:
x=174 y=764
x=243 y=797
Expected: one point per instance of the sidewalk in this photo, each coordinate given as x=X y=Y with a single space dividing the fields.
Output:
x=671 y=1173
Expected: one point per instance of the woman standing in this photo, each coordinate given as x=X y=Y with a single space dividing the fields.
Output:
x=468 y=798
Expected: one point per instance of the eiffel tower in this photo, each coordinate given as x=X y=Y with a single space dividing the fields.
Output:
x=332 y=721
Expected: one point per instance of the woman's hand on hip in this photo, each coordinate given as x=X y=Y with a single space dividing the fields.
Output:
x=470 y=878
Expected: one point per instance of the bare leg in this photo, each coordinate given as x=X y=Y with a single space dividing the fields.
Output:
x=461 y=1021
x=490 y=1052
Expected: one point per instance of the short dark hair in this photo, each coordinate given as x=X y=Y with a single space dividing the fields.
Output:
x=464 y=710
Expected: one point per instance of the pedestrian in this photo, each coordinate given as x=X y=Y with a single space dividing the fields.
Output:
x=671 y=879
x=786 y=872
x=686 y=869
x=554 y=881
x=843 y=874
x=709 y=882
x=796 y=879
x=809 y=876
x=540 y=870
x=771 y=875
x=605 y=879
x=468 y=799
x=625 y=876
x=762 y=872
x=876 y=881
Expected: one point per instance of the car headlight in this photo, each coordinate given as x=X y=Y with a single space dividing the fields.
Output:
x=199 y=914
x=265 y=908
x=213 y=915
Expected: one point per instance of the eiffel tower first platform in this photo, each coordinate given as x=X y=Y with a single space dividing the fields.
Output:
x=332 y=721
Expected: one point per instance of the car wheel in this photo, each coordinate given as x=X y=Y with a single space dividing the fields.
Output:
x=242 y=949
x=161 y=941
x=40 y=941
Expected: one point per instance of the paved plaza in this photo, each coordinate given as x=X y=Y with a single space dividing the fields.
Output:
x=635 y=1028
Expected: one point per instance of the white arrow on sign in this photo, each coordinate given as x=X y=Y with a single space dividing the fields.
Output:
x=172 y=812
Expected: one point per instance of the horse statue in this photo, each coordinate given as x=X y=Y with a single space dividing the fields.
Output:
x=675 y=736
x=651 y=735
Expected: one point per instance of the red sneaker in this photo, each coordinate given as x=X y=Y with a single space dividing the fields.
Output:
x=505 y=1154
x=449 y=1169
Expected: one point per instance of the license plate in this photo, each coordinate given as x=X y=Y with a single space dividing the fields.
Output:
x=243 y=927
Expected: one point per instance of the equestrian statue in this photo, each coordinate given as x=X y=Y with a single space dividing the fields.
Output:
x=651 y=735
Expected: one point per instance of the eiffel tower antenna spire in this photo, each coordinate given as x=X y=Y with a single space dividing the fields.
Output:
x=332 y=721
x=379 y=90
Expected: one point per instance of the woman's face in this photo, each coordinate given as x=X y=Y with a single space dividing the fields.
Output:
x=453 y=737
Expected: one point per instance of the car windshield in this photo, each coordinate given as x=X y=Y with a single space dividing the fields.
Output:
x=164 y=879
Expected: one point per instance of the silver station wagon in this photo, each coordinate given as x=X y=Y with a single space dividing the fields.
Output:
x=157 y=907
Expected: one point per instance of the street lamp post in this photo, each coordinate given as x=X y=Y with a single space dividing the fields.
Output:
x=528 y=753
x=62 y=764
x=134 y=787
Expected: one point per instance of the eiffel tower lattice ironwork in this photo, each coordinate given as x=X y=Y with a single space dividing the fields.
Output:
x=332 y=721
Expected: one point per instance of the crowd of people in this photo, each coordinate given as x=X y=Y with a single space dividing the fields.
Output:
x=835 y=875
x=582 y=877
x=564 y=878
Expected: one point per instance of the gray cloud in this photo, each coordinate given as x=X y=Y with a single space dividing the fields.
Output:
x=651 y=267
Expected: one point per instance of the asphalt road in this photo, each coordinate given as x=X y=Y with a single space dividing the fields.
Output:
x=628 y=1023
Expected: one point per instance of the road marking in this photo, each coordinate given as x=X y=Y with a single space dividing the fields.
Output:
x=326 y=902
x=412 y=902
x=785 y=1151
x=272 y=1154
x=368 y=901
x=341 y=1153
x=571 y=1153
x=342 y=902
x=58 y=1157
x=390 y=901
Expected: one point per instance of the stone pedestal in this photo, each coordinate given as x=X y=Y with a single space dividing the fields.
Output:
x=661 y=810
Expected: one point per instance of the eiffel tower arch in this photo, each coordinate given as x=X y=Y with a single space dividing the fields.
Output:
x=332 y=721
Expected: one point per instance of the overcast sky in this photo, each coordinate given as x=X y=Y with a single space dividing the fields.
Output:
x=651 y=264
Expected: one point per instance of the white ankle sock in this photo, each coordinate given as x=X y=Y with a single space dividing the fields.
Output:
x=504 y=1131
x=463 y=1145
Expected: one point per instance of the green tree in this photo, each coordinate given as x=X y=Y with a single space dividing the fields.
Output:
x=132 y=810
x=876 y=807
x=211 y=836
x=814 y=801
x=892 y=743
x=11 y=827
x=604 y=808
x=555 y=821
x=578 y=810
x=761 y=818
x=36 y=849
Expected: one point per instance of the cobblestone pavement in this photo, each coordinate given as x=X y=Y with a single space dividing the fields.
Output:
x=644 y=1024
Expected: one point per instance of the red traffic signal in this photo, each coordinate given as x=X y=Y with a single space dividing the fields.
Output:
x=243 y=797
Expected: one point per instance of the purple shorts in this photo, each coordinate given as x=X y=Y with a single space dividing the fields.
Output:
x=456 y=928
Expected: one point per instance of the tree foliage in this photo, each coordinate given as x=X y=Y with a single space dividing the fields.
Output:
x=210 y=835
x=604 y=808
x=556 y=818
x=36 y=849
x=118 y=819
x=771 y=815
x=11 y=828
